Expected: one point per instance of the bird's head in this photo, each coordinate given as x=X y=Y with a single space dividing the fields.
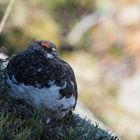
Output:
x=45 y=46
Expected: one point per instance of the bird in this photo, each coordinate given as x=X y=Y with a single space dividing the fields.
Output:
x=41 y=79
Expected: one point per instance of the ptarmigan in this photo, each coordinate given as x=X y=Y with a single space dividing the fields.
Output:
x=40 y=78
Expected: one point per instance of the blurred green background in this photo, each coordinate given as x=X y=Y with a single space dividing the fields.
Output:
x=100 y=39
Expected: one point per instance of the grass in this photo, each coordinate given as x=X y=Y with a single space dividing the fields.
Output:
x=19 y=121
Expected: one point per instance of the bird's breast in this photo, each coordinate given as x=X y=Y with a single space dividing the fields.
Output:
x=50 y=97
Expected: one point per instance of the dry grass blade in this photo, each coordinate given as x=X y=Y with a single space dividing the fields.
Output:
x=6 y=14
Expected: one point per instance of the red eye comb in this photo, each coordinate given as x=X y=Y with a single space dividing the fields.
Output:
x=45 y=43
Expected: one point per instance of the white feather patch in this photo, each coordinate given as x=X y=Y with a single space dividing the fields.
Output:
x=49 y=55
x=47 y=97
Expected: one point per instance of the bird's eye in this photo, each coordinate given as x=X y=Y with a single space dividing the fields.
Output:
x=49 y=49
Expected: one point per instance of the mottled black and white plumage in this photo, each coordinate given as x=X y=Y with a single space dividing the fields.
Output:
x=40 y=78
